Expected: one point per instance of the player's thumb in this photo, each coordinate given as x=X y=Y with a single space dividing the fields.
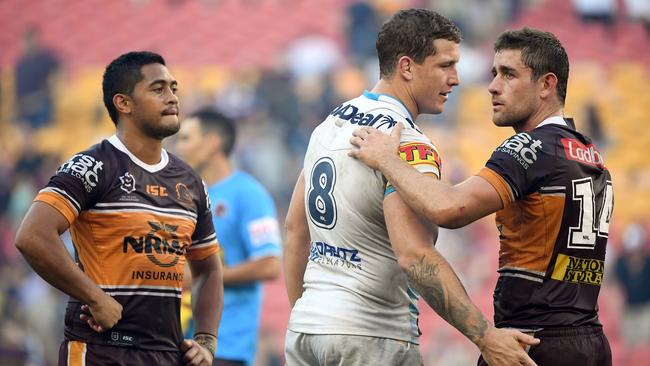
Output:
x=527 y=339
x=397 y=131
x=187 y=344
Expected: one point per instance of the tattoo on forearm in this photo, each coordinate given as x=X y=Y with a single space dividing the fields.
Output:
x=207 y=341
x=448 y=298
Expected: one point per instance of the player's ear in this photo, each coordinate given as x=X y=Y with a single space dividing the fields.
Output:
x=122 y=103
x=405 y=67
x=214 y=141
x=547 y=85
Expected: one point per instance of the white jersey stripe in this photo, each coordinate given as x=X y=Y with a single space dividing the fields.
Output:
x=149 y=207
x=65 y=195
x=193 y=219
x=111 y=287
x=143 y=293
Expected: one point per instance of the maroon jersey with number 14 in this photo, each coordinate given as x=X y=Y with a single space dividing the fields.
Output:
x=558 y=199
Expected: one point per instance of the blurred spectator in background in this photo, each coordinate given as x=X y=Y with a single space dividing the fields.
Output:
x=363 y=24
x=633 y=274
x=603 y=11
x=36 y=72
x=639 y=10
x=594 y=127
x=244 y=218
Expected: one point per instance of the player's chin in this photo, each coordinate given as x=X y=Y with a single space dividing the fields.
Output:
x=436 y=109
x=500 y=121
x=168 y=126
x=170 y=118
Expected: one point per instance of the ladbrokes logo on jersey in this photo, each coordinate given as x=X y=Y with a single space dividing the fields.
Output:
x=522 y=147
x=161 y=245
x=84 y=167
x=586 y=154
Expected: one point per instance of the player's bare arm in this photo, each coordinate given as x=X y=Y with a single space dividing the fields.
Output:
x=38 y=239
x=207 y=302
x=447 y=206
x=296 y=245
x=437 y=283
x=260 y=269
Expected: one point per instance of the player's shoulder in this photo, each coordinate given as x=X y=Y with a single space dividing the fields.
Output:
x=91 y=166
x=183 y=167
x=372 y=110
x=102 y=150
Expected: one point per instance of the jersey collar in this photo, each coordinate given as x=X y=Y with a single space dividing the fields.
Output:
x=164 y=157
x=389 y=99
x=555 y=120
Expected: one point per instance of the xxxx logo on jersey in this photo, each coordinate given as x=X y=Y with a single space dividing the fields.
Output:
x=417 y=153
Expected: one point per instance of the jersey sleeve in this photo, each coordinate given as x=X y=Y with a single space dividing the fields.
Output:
x=418 y=151
x=517 y=167
x=204 y=238
x=76 y=185
x=259 y=228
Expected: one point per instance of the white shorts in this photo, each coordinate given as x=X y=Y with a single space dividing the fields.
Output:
x=348 y=350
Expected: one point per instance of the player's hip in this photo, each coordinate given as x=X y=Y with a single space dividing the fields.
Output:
x=76 y=353
x=349 y=350
x=570 y=346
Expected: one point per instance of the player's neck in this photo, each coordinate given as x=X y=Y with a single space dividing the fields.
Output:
x=216 y=170
x=388 y=87
x=538 y=117
x=145 y=148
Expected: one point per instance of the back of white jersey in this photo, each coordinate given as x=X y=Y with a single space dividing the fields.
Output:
x=353 y=284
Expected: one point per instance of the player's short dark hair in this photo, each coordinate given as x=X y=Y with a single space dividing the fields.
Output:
x=411 y=33
x=215 y=121
x=123 y=73
x=541 y=51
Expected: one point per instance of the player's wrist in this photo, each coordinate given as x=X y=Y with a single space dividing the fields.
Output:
x=386 y=162
x=207 y=341
x=482 y=341
x=95 y=297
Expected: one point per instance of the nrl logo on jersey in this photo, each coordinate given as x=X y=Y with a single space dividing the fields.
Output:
x=522 y=147
x=84 y=167
x=127 y=182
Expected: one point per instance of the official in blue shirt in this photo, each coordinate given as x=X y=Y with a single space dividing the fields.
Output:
x=247 y=228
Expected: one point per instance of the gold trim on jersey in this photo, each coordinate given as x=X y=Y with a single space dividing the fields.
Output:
x=76 y=353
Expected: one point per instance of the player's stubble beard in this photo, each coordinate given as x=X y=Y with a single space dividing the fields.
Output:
x=159 y=129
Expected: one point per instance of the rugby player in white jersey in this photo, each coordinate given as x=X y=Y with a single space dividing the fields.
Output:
x=356 y=257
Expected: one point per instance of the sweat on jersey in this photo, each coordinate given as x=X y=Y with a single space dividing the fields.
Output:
x=353 y=284
x=132 y=225
x=558 y=200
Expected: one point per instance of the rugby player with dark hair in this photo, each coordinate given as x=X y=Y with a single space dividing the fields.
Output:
x=136 y=214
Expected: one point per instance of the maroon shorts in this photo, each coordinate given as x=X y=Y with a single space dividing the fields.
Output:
x=74 y=353
x=584 y=346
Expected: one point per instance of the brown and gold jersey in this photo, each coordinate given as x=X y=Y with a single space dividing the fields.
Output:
x=132 y=225
x=558 y=200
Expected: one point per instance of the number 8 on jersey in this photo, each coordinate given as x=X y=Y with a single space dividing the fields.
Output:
x=320 y=200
